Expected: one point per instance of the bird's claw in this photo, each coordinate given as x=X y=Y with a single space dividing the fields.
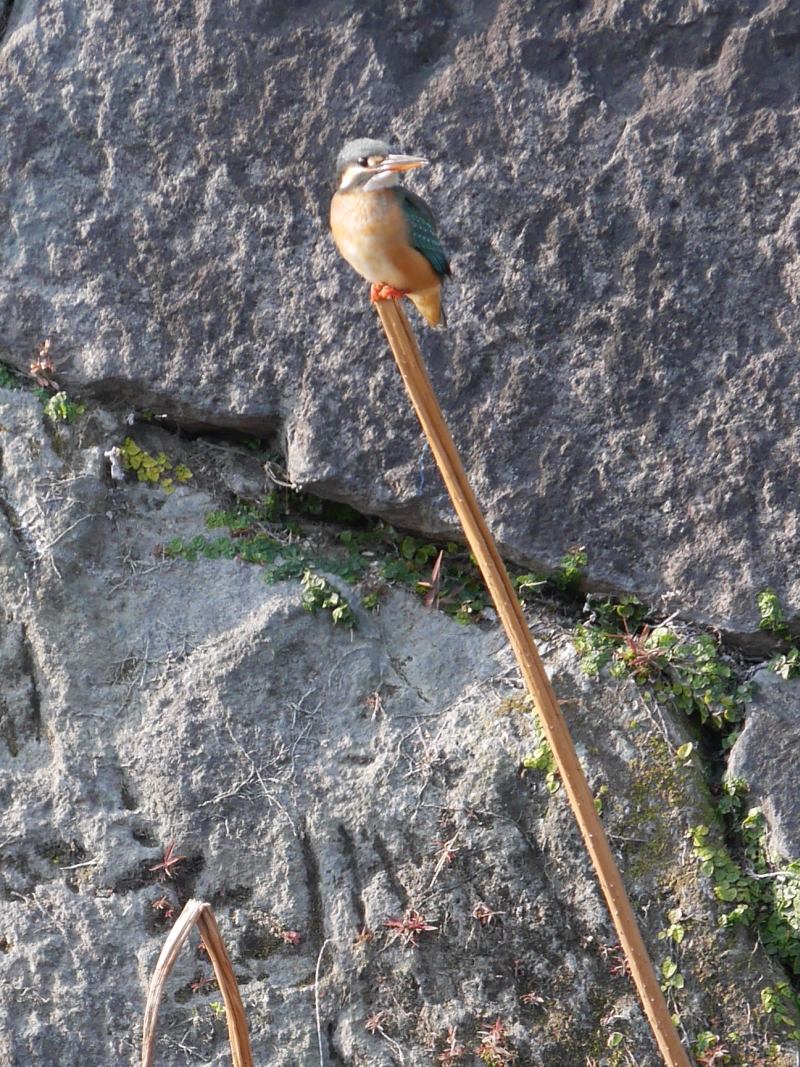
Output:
x=386 y=292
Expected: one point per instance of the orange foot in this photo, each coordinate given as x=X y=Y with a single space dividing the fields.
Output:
x=386 y=292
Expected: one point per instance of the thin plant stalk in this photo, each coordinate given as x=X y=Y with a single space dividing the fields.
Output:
x=197 y=913
x=418 y=385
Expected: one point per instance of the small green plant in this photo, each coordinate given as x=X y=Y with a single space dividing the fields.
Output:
x=253 y=529
x=690 y=673
x=245 y=517
x=319 y=594
x=731 y=885
x=671 y=976
x=731 y=800
x=772 y=617
x=763 y=897
x=566 y=578
x=279 y=562
x=785 y=663
x=708 y=1051
x=219 y=548
x=569 y=575
x=182 y=473
x=782 y=1003
x=376 y=555
x=529 y=583
x=152 y=468
x=9 y=379
x=542 y=759
x=60 y=408
x=445 y=577
x=676 y=931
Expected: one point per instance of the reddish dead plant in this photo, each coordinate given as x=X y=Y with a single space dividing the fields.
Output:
x=484 y=913
x=712 y=1057
x=166 y=906
x=42 y=369
x=644 y=662
x=616 y=962
x=364 y=936
x=452 y=1052
x=532 y=998
x=169 y=861
x=408 y=929
x=374 y=1023
x=494 y=1049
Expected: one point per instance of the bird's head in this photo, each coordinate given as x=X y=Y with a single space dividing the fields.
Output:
x=371 y=165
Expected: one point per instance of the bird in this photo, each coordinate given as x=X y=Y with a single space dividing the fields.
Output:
x=385 y=232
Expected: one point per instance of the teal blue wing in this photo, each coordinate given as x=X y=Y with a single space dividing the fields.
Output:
x=422 y=231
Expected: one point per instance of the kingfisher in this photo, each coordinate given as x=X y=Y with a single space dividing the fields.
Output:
x=384 y=231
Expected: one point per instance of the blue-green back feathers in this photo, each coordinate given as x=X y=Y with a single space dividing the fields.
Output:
x=422 y=230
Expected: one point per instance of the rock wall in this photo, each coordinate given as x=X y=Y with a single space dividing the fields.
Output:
x=617 y=185
x=319 y=787
x=618 y=188
x=764 y=757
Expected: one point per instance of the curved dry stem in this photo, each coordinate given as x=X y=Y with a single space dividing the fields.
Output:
x=198 y=913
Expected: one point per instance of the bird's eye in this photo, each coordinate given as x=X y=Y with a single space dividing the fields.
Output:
x=362 y=162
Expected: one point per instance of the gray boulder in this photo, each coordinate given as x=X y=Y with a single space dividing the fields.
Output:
x=322 y=790
x=617 y=188
x=765 y=756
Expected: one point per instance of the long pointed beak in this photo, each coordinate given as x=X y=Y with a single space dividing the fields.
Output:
x=400 y=163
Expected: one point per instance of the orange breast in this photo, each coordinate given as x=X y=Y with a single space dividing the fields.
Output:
x=370 y=231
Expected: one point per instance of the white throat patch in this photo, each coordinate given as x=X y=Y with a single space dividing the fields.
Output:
x=377 y=181
x=382 y=181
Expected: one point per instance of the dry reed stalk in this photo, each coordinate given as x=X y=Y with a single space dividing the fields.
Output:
x=418 y=385
x=197 y=913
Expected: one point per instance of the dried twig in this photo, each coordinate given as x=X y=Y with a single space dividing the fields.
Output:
x=415 y=378
x=316 y=1003
x=197 y=913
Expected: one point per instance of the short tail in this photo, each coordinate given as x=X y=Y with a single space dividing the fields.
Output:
x=428 y=303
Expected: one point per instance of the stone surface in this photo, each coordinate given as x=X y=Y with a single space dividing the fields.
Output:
x=618 y=189
x=765 y=756
x=316 y=785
